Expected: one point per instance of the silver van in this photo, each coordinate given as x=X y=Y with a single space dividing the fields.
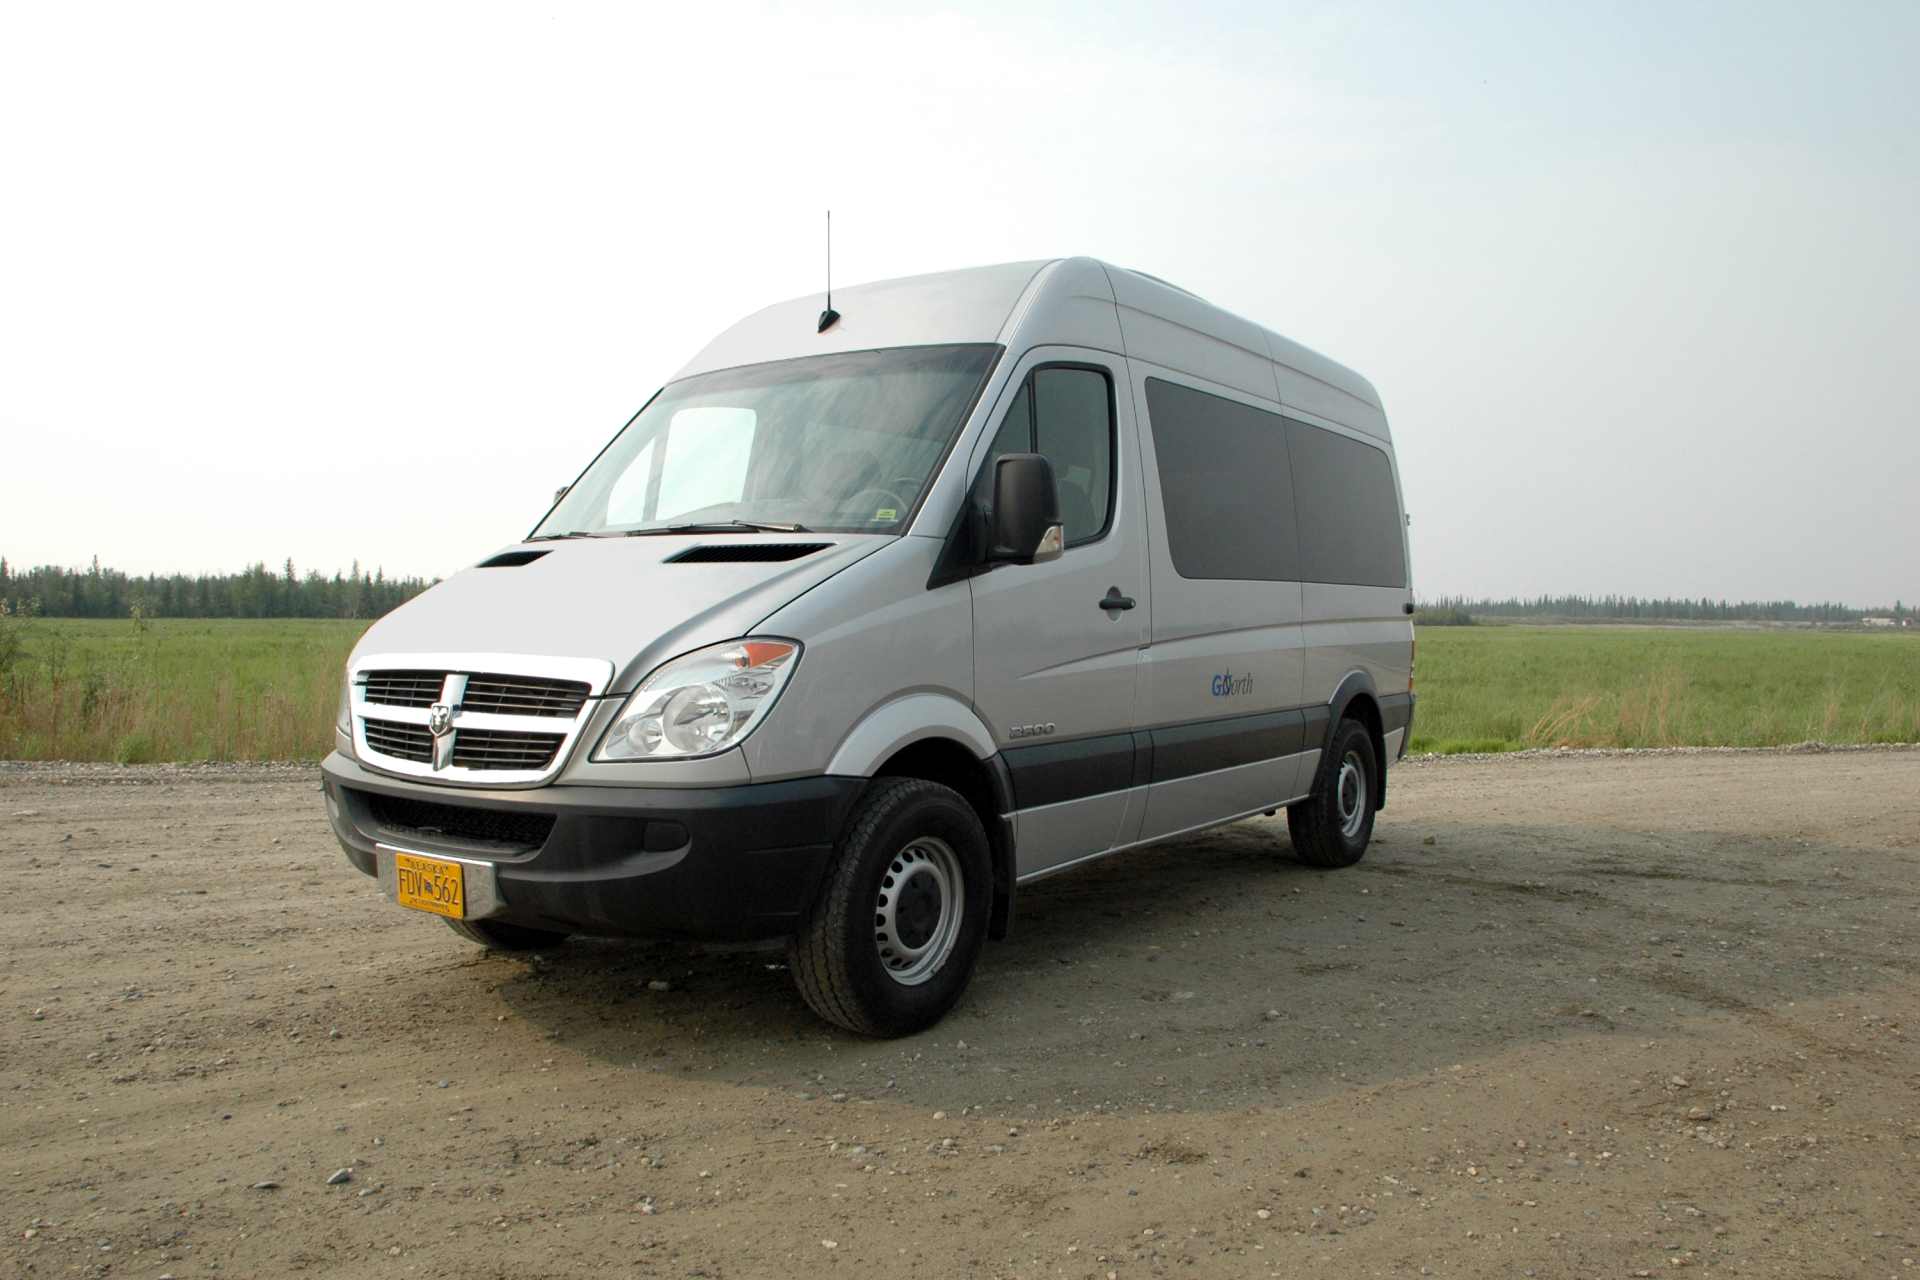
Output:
x=873 y=615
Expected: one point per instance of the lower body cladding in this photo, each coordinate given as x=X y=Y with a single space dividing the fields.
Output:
x=737 y=862
x=1089 y=797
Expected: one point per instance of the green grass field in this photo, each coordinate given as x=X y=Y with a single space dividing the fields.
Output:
x=175 y=689
x=1503 y=688
x=232 y=690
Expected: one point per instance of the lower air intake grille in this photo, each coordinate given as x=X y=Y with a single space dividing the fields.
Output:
x=402 y=741
x=500 y=749
x=424 y=817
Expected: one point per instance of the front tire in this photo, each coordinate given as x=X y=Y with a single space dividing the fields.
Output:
x=498 y=935
x=1332 y=826
x=889 y=943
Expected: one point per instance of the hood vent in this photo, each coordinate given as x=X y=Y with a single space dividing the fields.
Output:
x=739 y=552
x=511 y=559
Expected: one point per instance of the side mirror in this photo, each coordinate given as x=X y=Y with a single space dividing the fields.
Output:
x=1026 y=511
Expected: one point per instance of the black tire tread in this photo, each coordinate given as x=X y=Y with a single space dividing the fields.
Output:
x=1311 y=823
x=818 y=963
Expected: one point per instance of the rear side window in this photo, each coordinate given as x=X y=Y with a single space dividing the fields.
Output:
x=1226 y=485
x=1348 y=513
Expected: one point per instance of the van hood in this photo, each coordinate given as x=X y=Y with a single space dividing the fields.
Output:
x=632 y=602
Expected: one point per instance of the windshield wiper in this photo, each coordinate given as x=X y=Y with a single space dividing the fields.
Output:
x=555 y=537
x=722 y=526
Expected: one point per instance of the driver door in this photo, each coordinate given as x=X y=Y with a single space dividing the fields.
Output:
x=1057 y=645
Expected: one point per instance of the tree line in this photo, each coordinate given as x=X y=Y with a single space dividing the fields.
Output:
x=258 y=592
x=1655 y=609
x=255 y=592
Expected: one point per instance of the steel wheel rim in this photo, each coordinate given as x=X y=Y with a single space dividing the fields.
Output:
x=917 y=911
x=1350 y=795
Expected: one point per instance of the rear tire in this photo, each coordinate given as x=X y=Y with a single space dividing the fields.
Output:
x=1332 y=826
x=498 y=935
x=890 y=941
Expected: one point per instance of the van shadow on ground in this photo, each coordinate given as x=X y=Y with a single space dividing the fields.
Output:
x=1216 y=972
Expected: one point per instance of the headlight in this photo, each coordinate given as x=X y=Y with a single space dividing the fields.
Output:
x=701 y=702
x=343 y=718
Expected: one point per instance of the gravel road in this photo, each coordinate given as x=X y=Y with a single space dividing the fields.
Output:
x=1573 y=1016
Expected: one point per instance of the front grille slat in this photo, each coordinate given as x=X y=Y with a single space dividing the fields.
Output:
x=504 y=749
x=491 y=693
x=401 y=741
x=522 y=708
x=524 y=695
x=404 y=688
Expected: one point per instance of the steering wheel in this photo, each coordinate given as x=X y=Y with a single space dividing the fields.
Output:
x=894 y=500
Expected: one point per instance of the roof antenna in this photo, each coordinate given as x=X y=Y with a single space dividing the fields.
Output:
x=829 y=316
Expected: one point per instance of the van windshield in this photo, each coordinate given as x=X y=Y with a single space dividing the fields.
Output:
x=841 y=443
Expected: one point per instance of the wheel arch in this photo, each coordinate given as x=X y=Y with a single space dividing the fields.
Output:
x=938 y=738
x=985 y=786
x=1356 y=697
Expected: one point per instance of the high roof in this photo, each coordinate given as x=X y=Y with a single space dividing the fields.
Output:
x=971 y=305
x=1074 y=301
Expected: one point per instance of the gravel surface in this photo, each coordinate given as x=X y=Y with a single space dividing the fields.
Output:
x=1577 y=1014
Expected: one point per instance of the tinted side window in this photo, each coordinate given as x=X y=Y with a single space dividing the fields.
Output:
x=1226 y=485
x=1073 y=427
x=1349 y=516
x=1067 y=415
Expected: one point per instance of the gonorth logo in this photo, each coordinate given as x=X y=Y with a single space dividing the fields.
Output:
x=1229 y=685
x=1030 y=730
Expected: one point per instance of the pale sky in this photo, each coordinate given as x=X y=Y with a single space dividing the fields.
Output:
x=1639 y=284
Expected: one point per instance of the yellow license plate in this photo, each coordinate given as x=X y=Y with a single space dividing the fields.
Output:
x=429 y=884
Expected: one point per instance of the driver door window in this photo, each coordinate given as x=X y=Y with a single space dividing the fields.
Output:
x=1066 y=415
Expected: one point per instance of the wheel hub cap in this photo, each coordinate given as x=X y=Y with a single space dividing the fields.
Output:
x=1350 y=793
x=917 y=911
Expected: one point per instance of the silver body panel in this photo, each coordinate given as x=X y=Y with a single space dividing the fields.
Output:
x=890 y=660
x=1186 y=803
x=1049 y=837
x=1044 y=651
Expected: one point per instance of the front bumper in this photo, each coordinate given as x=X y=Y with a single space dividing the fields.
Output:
x=714 y=862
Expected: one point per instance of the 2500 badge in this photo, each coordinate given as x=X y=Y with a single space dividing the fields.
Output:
x=1030 y=730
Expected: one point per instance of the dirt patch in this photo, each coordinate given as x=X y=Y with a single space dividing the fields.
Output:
x=1621 y=1011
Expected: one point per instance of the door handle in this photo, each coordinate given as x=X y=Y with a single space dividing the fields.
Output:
x=1114 y=600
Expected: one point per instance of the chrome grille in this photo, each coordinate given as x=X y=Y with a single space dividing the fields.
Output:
x=401 y=741
x=499 y=749
x=524 y=695
x=504 y=720
x=405 y=688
